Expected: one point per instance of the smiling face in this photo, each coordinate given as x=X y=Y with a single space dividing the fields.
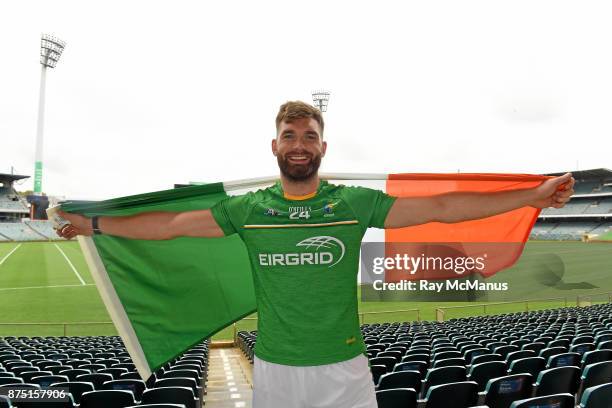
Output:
x=298 y=148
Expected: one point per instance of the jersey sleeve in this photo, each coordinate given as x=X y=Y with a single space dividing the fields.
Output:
x=370 y=206
x=231 y=213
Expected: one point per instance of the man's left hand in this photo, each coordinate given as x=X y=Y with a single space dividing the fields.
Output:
x=554 y=192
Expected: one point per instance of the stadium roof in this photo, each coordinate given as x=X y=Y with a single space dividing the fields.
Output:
x=11 y=177
x=587 y=174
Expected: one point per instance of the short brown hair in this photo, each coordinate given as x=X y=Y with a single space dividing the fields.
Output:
x=292 y=110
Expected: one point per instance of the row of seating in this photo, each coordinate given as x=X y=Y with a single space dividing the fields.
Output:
x=559 y=351
x=98 y=372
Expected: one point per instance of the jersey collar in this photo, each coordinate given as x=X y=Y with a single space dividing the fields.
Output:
x=291 y=197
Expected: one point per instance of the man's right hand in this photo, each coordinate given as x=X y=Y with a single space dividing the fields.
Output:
x=79 y=225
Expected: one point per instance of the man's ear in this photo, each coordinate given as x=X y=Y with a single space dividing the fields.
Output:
x=324 y=149
x=274 y=147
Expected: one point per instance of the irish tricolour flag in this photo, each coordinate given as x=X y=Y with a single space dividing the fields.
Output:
x=166 y=296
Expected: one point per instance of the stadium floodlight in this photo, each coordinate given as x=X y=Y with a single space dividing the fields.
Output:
x=320 y=99
x=51 y=49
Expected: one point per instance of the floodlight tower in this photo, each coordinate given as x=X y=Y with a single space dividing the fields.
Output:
x=50 y=52
x=320 y=99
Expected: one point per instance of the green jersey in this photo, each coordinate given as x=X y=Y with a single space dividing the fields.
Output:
x=304 y=255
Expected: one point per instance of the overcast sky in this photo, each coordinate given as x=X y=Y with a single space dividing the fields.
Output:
x=148 y=94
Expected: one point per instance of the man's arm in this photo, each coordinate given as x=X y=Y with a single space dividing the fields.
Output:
x=464 y=206
x=150 y=225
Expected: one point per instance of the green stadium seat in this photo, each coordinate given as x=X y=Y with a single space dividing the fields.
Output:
x=481 y=373
x=76 y=388
x=181 y=395
x=596 y=374
x=401 y=379
x=106 y=399
x=137 y=387
x=529 y=365
x=397 y=398
x=443 y=375
x=464 y=394
x=598 y=396
x=501 y=392
x=549 y=401
x=564 y=359
x=557 y=380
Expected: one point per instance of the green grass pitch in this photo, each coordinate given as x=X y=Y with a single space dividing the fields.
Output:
x=39 y=285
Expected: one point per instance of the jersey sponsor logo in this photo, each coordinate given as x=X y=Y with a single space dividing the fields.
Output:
x=319 y=250
x=272 y=212
x=296 y=213
x=328 y=209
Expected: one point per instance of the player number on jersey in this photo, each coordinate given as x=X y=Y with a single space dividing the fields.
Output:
x=296 y=215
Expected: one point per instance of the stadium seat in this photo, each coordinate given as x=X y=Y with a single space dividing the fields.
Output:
x=114 y=372
x=10 y=380
x=132 y=375
x=501 y=392
x=596 y=356
x=564 y=359
x=93 y=367
x=457 y=361
x=582 y=348
x=17 y=370
x=464 y=394
x=377 y=372
x=415 y=357
x=547 y=352
x=596 y=374
x=606 y=345
x=443 y=375
x=106 y=399
x=137 y=387
x=5 y=402
x=477 y=351
x=483 y=358
x=57 y=369
x=515 y=355
x=447 y=354
x=535 y=347
x=481 y=373
x=557 y=380
x=181 y=382
x=401 y=379
x=505 y=350
x=598 y=396
x=28 y=375
x=44 y=364
x=397 y=398
x=181 y=395
x=553 y=401
x=76 y=388
x=186 y=373
x=529 y=365
x=96 y=379
x=388 y=362
x=46 y=380
x=6 y=374
x=73 y=373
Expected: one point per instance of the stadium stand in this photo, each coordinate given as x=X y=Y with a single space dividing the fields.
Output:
x=535 y=356
x=586 y=217
x=98 y=372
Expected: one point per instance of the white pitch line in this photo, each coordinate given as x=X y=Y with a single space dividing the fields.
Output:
x=9 y=254
x=45 y=287
x=71 y=265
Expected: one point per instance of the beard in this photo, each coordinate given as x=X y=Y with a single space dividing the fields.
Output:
x=299 y=172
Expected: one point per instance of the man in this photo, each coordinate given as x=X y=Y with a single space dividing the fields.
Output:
x=309 y=350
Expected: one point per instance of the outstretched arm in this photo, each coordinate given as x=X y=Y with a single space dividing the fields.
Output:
x=151 y=225
x=464 y=206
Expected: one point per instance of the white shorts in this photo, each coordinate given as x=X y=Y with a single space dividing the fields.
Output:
x=347 y=384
